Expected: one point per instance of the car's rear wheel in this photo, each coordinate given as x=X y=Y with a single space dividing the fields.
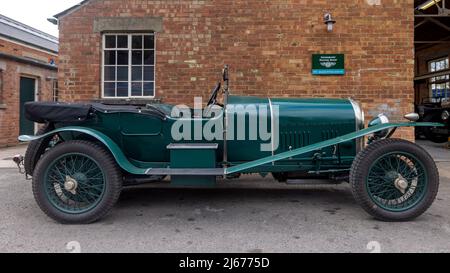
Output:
x=394 y=180
x=77 y=182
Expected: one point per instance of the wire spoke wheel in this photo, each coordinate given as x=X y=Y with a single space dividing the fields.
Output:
x=396 y=181
x=77 y=182
x=74 y=183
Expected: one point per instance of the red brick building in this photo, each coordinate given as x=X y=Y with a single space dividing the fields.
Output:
x=174 y=50
x=28 y=72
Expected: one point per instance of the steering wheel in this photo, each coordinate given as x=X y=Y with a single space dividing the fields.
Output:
x=215 y=92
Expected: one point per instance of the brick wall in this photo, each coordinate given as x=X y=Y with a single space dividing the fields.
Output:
x=268 y=45
x=9 y=94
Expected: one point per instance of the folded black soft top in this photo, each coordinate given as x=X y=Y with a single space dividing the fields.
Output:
x=43 y=112
x=59 y=112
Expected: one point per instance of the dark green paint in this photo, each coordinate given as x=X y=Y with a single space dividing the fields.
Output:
x=193 y=158
x=27 y=94
x=315 y=135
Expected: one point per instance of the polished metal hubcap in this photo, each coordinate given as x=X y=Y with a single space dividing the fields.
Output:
x=401 y=184
x=71 y=185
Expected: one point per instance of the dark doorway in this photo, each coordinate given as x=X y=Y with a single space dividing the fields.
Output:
x=27 y=93
x=432 y=68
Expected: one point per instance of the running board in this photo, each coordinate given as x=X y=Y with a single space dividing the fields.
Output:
x=186 y=172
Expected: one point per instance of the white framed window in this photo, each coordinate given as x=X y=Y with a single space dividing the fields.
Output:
x=128 y=65
x=439 y=86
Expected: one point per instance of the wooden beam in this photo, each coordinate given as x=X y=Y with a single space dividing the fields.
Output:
x=431 y=15
x=421 y=23
x=431 y=42
x=442 y=25
x=432 y=75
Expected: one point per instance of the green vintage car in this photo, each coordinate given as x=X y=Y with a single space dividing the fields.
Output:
x=86 y=153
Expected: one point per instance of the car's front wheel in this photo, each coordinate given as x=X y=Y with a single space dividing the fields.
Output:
x=394 y=180
x=77 y=182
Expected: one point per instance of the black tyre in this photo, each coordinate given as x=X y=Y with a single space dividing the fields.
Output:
x=394 y=180
x=77 y=182
x=430 y=135
x=280 y=177
x=36 y=148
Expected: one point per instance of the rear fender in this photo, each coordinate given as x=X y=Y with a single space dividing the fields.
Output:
x=115 y=150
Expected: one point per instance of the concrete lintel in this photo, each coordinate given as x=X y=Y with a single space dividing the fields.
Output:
x=128 y=24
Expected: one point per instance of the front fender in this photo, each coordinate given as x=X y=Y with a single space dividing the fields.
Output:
x=115 y=150
x=320 y=145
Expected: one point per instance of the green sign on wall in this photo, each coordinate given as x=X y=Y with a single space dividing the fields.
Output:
x=328 y=64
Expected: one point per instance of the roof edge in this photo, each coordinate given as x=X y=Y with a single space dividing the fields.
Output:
x=71 y=9
x=24 y=27
x=29 y=61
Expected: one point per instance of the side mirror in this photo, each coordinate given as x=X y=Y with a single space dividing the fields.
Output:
x=225 y=73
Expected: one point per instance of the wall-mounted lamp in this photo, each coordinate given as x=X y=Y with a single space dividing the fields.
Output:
x=328 y=20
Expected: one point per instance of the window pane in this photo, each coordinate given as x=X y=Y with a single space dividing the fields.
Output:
x=122 y=41
x=122 y=89
x=149 y=42
x=149 y=57
x=433 y=66
x=137 y=42
x=110 y=41
x=148 y=89
x=110 y=57
x=149 y=73
x=122 y=57
x=136 y=89
x=110 y=73
x=122 y=73
x=110 y=89
x=136 y=73
x=137 y=57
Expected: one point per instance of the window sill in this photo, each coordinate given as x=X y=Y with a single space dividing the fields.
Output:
x=2 y=106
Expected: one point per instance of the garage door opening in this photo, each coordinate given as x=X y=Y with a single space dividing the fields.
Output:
x=432 y=67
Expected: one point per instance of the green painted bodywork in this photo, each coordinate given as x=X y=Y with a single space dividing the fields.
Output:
x=318 y=146
x=193 y=158
x=116 y=151
x=316 y=135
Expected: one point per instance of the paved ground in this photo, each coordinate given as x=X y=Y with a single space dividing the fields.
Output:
x=254 y=215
